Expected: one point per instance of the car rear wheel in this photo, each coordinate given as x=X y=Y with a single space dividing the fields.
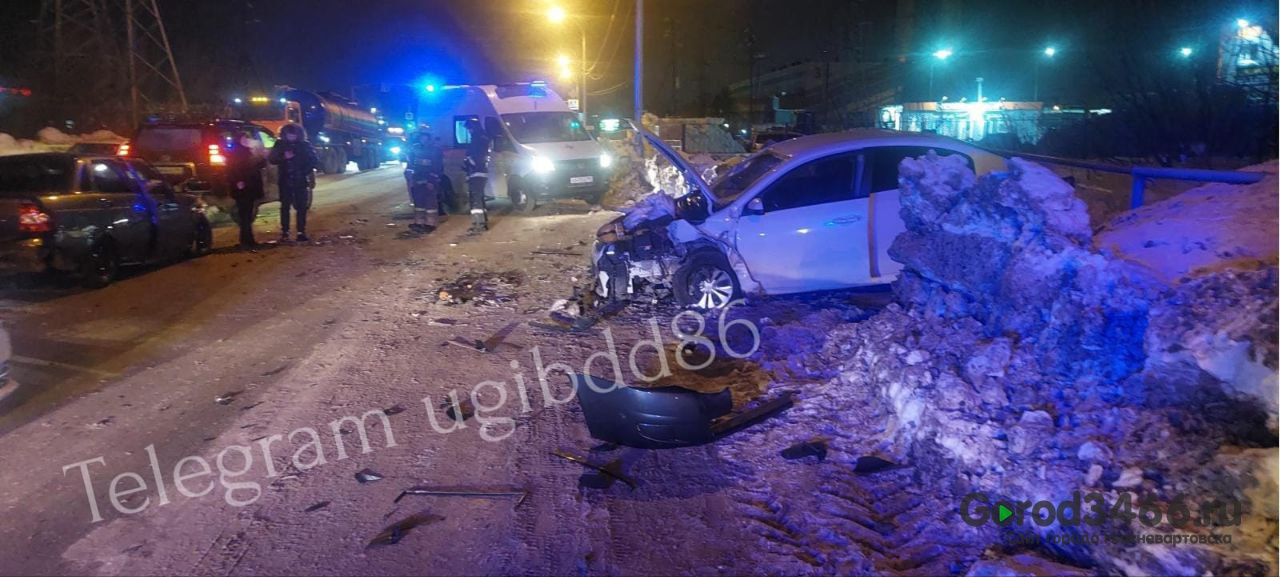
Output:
x=705 y=282
x=100 y=267
x=202 y=240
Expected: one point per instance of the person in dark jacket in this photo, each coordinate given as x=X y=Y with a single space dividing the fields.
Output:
x=298 y=162
x=425 y=174
x=476 y=166
x=244 y=179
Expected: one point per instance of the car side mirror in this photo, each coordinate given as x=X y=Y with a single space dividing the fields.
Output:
x=755 y=206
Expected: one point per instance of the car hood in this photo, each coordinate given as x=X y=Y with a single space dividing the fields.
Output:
x=687 y=170
x=565 y=150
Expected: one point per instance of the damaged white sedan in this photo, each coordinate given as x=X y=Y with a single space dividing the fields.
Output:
x=810 y=214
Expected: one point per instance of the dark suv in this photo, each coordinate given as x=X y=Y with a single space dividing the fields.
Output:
x=198 y=151
x=92 y=214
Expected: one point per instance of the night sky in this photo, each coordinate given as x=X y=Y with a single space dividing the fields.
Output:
x=694 y=48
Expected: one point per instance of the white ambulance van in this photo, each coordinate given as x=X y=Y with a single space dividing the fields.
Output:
x=541 y=150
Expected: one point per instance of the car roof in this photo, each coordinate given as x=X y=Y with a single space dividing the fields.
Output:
x=220 y=123
x=57 y=155
x=864 y=137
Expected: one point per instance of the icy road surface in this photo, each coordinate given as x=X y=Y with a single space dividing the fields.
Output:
x=214 y=358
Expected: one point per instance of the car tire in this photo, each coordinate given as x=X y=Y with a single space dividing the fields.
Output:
x=100 y=266
x=705 y=281
x=202 y=240
x=341 y=164
x=522 y=201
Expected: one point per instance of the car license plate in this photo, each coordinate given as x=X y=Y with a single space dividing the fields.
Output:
x=172 y=169
x=581 y=179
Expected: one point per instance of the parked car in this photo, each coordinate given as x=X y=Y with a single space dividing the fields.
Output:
x=94 y=148
x=186 y=151
x=813 y=213
x=91 y=214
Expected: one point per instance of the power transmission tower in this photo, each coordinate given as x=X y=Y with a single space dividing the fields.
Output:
x=101 y=52
x=81 y=56
x=153 y=74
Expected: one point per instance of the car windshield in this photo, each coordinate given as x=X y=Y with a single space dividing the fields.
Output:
x=738 y=180
x=535 y=127
x=34 y=174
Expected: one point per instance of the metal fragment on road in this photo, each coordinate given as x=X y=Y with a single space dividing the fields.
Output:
x=420 y=490
x=316 y=507
x=610 y=469
x=226 y=398
x=396 y=531
x=367 y=476
x=393 y=410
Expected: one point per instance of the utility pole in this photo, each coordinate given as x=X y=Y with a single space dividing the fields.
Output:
x=639 y=72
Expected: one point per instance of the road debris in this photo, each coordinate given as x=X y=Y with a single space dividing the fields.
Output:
x=393 y=410
x=611 y=469
x=367 y=476
x=760 y=412
x=556 y=252
x=226 y=398
x=869 y=464
x=480 y=289
x=396 y=531
x=316 y=507
x=814 y=448
x=425 y=491
x=465 y=406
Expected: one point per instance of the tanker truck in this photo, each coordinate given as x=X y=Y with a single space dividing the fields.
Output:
x=339 y=129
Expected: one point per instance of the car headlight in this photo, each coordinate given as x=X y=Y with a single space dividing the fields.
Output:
x=606 y=161
x=543 y=165
x=395 y=150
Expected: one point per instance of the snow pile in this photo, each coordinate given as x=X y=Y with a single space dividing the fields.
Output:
x=1035 y=366
x=50 y=139
x=1014 y=254
x=1214 y=226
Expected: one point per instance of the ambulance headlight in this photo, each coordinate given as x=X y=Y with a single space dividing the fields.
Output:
x=606 y=161
x=543 y=165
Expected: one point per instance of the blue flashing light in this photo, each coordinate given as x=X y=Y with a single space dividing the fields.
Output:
x=431 y=88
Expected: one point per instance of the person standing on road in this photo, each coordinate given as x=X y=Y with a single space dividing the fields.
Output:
x=426 y=169
x=244 y=179
x=297 y=161
x=476 y=166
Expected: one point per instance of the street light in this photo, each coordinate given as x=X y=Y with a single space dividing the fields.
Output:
x=1050 y=51
x=939 y=55
x=557 y=15
x=1185 y=51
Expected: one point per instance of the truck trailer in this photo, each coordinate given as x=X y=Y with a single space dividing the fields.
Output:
x=339 y=129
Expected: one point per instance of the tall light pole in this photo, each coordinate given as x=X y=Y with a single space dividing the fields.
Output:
x=639 y=72
x=1049 y=53
x=938 y=56
x=557 y=15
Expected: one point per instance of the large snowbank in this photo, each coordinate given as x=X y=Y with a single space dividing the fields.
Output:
x=1035 y=365
x=1211 y=227
x=50 y=139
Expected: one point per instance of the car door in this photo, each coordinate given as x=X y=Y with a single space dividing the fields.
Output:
x=264 y=140
x=119 y=208
x=884 y=208
x=172 y=217
x=807 y=230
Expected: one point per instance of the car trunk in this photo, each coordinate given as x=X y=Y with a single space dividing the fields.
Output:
x=173 y=150
x=23 y=180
